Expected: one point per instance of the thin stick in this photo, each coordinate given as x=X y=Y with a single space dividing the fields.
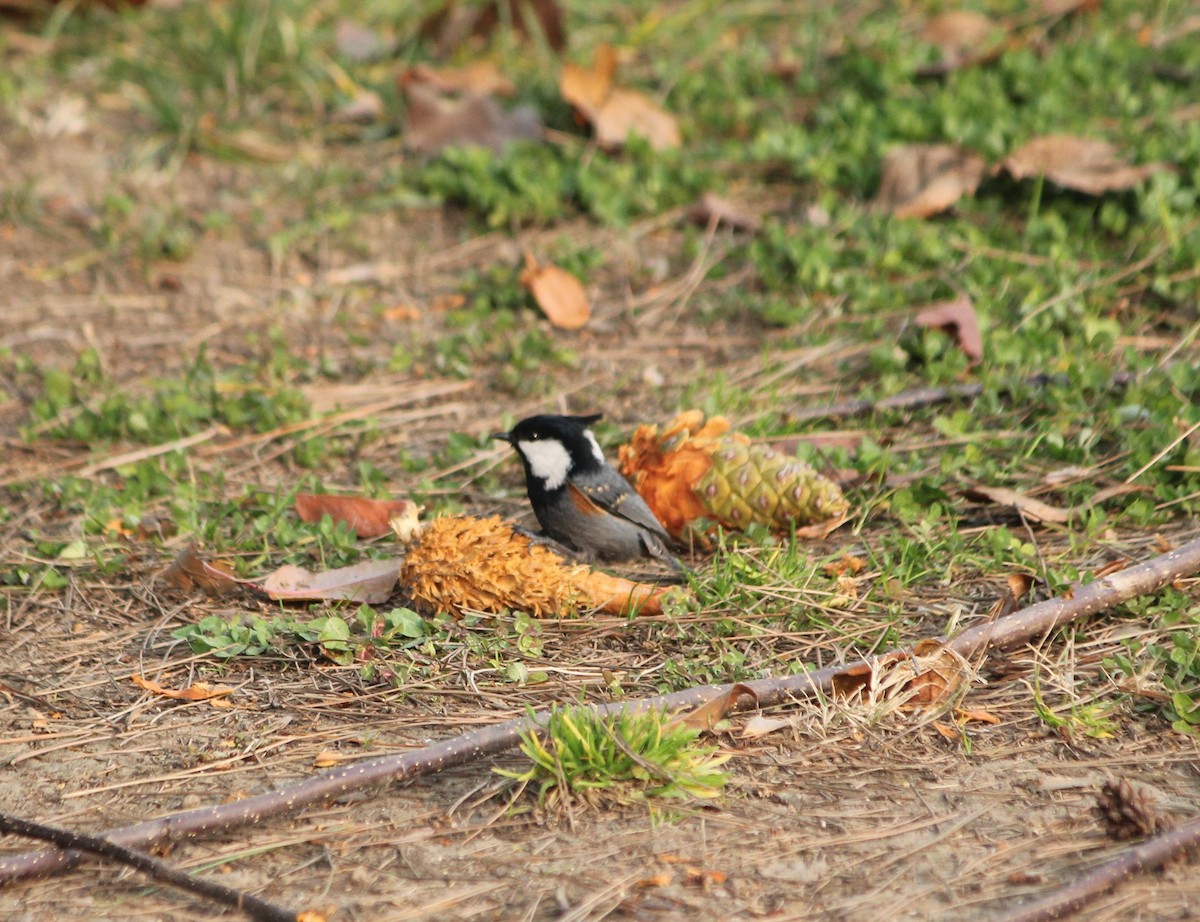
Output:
x=1034 y=621
x=254 y=907
x=917 y=397
x=1147 y=856
x=1162 y=454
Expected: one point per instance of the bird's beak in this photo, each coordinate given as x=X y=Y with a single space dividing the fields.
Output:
x=502 y=436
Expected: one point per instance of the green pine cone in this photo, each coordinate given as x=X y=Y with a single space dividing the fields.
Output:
x=752 y=484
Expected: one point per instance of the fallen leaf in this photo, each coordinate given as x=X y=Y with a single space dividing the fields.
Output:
x=709 y=714
x=481 y=78
x=852 y=681
x=1113 y=566
x=613 y=112
x=986 y=717
x=243 y=142
x=948 y=731
x=368 y=518
x=849 y=563
x=962 y=37
x=357 y=43
x=958 y=319
x=199 y=691
x=1027 y=505
x=436 y=122
x=661 y=879
x=190 y=571
x=758 y=725
x=364 y=106
x=713 y=207
x=1118 y=489
x=589 y=88
x=1085 y=165
x=454 y=23
x=921 y=180
x=1018 y=585
x=703 y=877
x=940 y=675
x=371 y=581
x=929 y=676
x=558 y=293
x=328 y=757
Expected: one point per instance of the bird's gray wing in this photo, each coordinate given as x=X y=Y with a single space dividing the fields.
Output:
x=611 y=492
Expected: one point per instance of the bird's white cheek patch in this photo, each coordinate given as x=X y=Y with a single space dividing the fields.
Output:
x=548 y=460
x=587 y=434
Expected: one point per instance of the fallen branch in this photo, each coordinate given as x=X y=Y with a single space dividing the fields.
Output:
x=1148 y=856
x=1034 y=621
x=254 y=907
x=918 y=397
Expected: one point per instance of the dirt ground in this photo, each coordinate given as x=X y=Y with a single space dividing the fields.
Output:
x=833 y=817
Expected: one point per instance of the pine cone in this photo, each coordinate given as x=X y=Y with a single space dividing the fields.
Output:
x=1126 y=811
x=700 y=470
x=459 y=563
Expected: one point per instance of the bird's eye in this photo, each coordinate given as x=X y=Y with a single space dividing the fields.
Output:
x=534 y=436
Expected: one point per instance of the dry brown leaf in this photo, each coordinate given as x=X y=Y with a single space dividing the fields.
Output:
x=703 y=877
x=190 y=571
x=930 y=676
x=558 y=293
x=453 y=23
x=1113 y=566
x=713 y=207
x=957 y=318
x=613 y=112
x=1018 y=585
x=941 y=675
x=371 y=581
x=368 y=518
x=436 y=122
x=849 y=563
x=480 y=78
x=962 y=37
x=199 y=691
x=328 y=757
x=921 y=180
x=587 y=89
x=758 y=725
x=709 y=714
x=244 y=142
x=986 y=717
x=1085 y=165
x=949 y=732
x=1032 y=508
x=364 y=106
x=357 y=43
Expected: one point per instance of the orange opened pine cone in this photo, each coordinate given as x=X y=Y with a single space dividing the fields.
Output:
x=461 y=563
x=697 y=473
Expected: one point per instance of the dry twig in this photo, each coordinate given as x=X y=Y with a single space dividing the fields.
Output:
x=254 y=907
x=1151 y=854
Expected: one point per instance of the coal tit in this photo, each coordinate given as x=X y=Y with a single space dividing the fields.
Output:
x=579 y=500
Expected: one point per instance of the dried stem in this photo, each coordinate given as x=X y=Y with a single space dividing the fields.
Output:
x=254 y=907
x=921 y=397
x=1034 y=621
x=1149 y=855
